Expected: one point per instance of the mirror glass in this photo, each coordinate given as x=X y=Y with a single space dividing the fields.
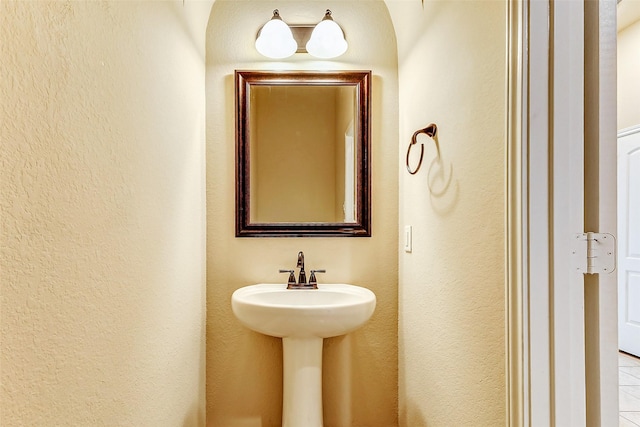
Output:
x=302 y=153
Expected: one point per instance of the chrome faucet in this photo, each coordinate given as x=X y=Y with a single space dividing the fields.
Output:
x=302 y=277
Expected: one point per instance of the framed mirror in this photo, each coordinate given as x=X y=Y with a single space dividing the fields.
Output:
x=302 y=153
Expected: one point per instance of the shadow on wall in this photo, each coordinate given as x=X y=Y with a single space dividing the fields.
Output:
x=196 y=415
x=194 y=418
x=443 y=189
x=411 y=416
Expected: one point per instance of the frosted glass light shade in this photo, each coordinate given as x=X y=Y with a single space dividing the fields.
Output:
x=327 y=39
x=276 y=39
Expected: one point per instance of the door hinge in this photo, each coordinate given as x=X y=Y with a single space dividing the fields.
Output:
x=594 y=253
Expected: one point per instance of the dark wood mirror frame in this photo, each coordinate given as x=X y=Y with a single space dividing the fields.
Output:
x=361 y=81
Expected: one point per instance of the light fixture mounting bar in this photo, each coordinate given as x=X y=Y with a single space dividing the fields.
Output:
x=302 y=34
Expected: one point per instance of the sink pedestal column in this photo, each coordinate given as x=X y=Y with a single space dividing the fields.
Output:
x=302 y=382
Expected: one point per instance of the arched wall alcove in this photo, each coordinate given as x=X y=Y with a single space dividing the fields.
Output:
x=244 y=368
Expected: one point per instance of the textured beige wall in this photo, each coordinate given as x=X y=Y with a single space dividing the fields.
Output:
x=102 y=213
x=243 y=367
x=451 y=287
x=628 y=81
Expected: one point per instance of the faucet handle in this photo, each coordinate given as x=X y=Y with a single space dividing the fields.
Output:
x=292 y=276
x=312 y=278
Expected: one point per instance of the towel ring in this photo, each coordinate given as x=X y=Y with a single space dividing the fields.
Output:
x=431 y=131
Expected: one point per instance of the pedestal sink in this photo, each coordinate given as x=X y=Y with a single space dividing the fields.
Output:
x=303 y=318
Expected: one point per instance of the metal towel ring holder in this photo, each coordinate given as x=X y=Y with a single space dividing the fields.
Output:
x=431 y=131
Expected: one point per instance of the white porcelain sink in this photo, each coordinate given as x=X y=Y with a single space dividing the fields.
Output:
x=303 y=318
x=330 y=310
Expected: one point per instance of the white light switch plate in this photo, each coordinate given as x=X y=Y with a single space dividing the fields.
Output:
x=407 y=238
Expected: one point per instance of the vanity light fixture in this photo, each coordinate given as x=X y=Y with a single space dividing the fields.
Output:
x=327 y=39
x=278 y=40
x=275 y=39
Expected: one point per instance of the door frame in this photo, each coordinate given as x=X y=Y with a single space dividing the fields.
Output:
x=554 y=98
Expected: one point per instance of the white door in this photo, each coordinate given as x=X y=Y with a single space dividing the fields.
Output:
x=629 y=240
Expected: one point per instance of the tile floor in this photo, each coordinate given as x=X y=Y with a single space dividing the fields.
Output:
x=629 y=376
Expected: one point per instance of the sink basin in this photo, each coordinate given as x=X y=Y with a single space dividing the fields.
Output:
x=330 y=310
x=302 y=318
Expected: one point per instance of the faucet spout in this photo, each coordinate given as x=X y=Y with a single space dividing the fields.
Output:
x=302 y=277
